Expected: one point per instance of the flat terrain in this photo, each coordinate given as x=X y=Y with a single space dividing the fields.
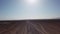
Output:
x=30 y=27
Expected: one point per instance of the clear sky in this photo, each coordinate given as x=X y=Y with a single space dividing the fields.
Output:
x=28 y=9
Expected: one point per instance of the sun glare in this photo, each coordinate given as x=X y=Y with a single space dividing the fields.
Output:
x=31 y=1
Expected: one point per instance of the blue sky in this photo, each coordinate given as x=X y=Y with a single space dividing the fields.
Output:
x=17 y=10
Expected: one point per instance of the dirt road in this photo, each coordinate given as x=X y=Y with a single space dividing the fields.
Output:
x=30 y=27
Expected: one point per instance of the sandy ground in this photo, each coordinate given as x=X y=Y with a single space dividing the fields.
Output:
x=30 y=27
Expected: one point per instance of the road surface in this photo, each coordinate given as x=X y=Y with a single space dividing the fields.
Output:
x=30 y=27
